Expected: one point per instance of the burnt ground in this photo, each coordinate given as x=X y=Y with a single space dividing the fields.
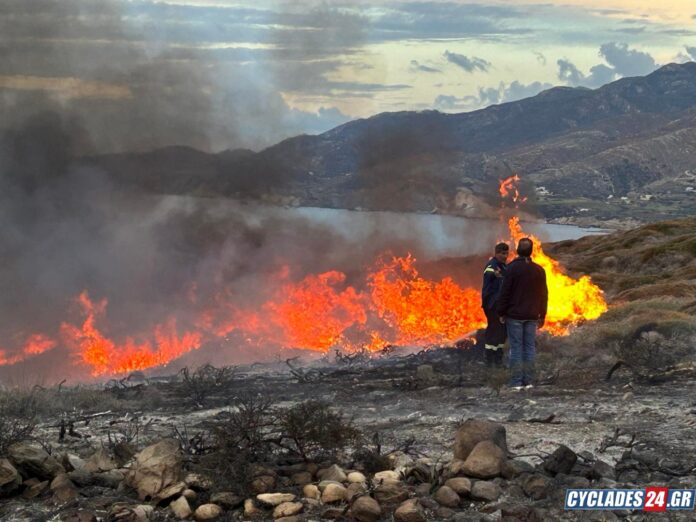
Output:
x=417 y=400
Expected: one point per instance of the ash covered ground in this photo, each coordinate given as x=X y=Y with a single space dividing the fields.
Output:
x=402 y=434
x=392 y=419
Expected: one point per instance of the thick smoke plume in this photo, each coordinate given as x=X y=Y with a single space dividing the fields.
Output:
x=67 y=228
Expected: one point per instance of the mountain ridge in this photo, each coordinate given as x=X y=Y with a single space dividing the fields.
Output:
x=576 y=149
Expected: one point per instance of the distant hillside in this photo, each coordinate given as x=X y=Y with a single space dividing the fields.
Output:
x=625 y=150
x=649 y=278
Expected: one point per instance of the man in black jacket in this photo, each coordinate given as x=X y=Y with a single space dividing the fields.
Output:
x=492 y=283
x=522 y=307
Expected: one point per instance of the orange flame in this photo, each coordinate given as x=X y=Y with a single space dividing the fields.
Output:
x=38 y=343
x=314 y=313
x=508 y=190
x=35 y=344
x=571 y=301
x=320 y=311
x=422 y=311
x=394 y=304
x=105 y=356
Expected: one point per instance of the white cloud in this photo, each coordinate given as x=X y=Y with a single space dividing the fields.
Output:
x=623 y=61
x=487 y=96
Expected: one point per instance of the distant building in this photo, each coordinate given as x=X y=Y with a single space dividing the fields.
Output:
x=646 y=197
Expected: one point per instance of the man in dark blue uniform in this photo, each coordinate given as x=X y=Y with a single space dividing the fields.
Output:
x=492 y=283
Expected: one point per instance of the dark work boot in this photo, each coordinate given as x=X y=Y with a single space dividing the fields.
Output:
x=498 y=358
x=490 y=357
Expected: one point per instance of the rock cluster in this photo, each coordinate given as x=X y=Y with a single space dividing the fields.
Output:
x=480 y=483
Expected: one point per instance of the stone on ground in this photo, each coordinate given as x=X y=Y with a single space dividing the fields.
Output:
x=483 y=490
x=31 y=460
x=226 y=499
x=333 y=493
x=311 y=491
x=366 y=509
x=207 y=512
x=155 y=467
x=473 y=431
x=180 y=507
x=287 y=509
x=485 y=460
x=391 y=493
x=409 y=511
x=334 y=473
x=446 y=496
x=275 y=499
x=10 y=479
x=461 y=485
x=560 y=461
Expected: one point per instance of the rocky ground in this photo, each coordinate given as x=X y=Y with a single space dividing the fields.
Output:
x=445 y=441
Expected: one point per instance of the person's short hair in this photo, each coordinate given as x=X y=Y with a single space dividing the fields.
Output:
x=501 y=247
x=525 y=247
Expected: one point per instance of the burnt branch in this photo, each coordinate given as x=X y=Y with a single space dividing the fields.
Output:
x=304 y=376
x=615 y=440
x=198 y=443
x=613 y=369
x=199 y=385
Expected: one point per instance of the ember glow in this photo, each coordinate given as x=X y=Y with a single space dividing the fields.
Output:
x=390 y=304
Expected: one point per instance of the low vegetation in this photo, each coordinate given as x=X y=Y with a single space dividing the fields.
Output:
x=649 y=278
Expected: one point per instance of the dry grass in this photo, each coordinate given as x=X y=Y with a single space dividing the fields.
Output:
x=56 y=402
x=649 y=335
x=678 y=289
x=625 y=261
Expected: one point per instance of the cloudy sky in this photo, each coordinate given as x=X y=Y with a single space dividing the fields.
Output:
x=219 y=74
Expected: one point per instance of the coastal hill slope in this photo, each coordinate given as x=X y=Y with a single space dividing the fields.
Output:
x=624 y=151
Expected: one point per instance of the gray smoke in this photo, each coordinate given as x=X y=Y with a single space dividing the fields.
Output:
x=141 y=75
x=66 y=226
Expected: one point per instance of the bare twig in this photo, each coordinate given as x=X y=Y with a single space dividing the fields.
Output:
x=611 y=371
x=304 y=376
x=615 y=441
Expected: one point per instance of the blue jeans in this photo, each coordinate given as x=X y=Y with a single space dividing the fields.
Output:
x=522 y=351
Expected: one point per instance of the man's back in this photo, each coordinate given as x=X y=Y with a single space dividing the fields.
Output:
x=524 y=295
